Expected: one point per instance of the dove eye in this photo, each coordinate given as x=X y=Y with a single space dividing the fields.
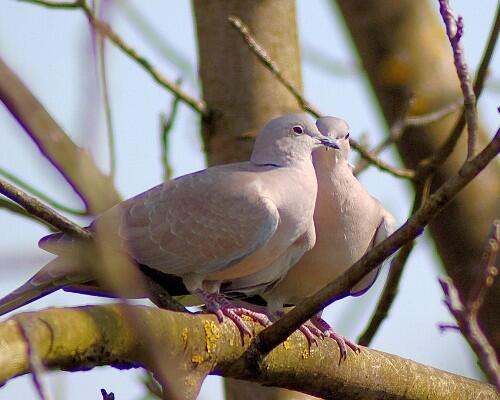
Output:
x=298 y=130
x=347 y=136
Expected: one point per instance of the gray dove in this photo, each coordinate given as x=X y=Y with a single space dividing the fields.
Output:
x=348 y=221
x=213 y=226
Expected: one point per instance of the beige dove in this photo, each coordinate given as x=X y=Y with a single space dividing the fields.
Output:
x=215 y=225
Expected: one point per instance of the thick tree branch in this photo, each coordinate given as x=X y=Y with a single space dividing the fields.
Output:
x=84 y=337
x=280 y=330
x=74 y=163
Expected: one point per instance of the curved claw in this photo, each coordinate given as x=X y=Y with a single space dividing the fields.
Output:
x=311 y=333
x=217 y=304
x=342 y=342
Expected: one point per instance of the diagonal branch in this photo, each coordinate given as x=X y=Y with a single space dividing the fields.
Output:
x=105 y=30
x=38 y=209
x=280 y=330
x=74 y=163
x=266 y=60
x=466 y=312
x=429 y=165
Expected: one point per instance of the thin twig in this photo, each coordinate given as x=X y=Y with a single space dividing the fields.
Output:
x=144 y=27
x=166 y=125
x=54 y=4
x=466 y=313
x=400 y=125
x=478 y=292
x=16 y=209
x=454 y=31
x=434 y=116
x=266 y=60
x=390 y=291
x=270 y=337
x=106 y=30
x=107 y=104
x=381 y=164
x=264 y=57
x=428 y=166
x=40 y=210
x=47 y=199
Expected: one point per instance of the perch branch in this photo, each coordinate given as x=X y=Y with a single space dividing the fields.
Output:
x=83 y=337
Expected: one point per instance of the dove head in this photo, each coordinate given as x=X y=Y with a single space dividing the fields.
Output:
x=288 y=139
x=336 y=129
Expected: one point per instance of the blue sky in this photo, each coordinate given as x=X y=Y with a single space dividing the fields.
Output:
x=49 y=49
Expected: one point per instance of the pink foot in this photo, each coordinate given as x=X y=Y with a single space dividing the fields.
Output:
x=328 y=331
x=311 y=332
x=216 y=303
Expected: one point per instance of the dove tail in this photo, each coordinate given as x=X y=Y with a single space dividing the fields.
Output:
x=47 y=280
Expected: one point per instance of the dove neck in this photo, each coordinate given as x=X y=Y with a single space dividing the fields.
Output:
x=280 y=156
x=329 y=160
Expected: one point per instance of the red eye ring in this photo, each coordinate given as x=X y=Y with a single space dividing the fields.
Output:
x=298 y=129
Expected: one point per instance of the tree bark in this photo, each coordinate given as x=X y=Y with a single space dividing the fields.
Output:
x=405 y=53
x=242 y=95
x=240 y=92
x=84 y=337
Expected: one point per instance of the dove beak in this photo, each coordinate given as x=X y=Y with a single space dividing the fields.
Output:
x=329 y=142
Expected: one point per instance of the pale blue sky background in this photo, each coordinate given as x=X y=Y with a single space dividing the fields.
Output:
x=49 y=49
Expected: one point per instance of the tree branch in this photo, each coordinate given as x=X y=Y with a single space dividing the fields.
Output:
x=466 y=313
x=74 y=163
x=428 y=165
x=281 y=329
x=40 y=210
x=454 y=31
x=105 y=30
x=84 y=337
x=266 y=60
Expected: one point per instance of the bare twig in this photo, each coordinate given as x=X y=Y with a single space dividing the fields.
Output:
x=266 y=60
x=399 y=126
x=54 y=4
x=166 y=125
x=262 y=55
x=144 y=27
x=47 y=199
x=381 y=164
x=16 y=209
x=106 y=30
x=454 y=30
x=390 y=291
x=107 y=104
x=429 y=165
x=434 y=116
x=466 y=313
x=40 y=210
x=281 y=329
